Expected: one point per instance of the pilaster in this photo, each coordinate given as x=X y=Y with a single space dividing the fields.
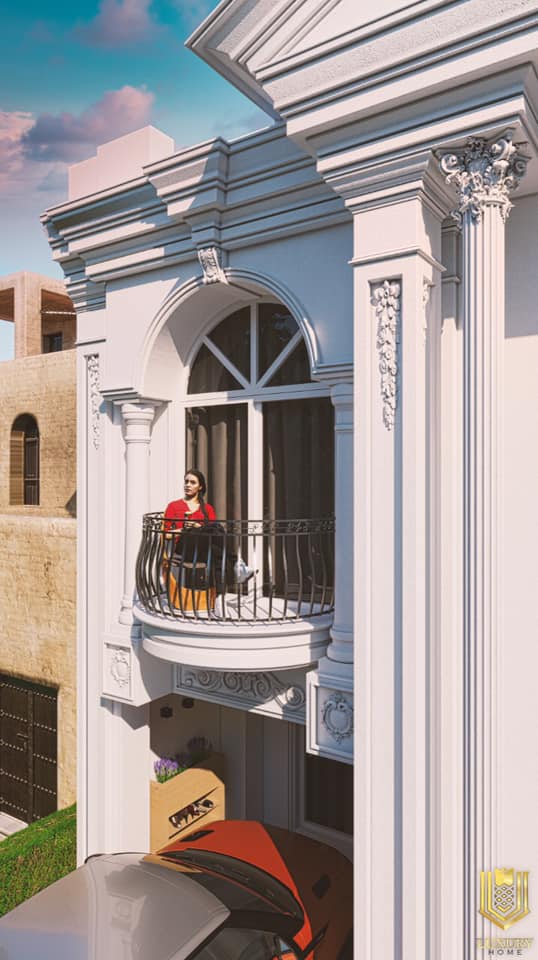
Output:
x=397 y=272
x=330 y=713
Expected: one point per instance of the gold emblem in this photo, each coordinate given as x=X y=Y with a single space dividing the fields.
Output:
x=504 y=896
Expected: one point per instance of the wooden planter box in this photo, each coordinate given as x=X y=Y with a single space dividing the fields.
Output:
x=200 y=788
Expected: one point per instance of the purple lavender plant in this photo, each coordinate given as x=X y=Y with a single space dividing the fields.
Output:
x=165 y=768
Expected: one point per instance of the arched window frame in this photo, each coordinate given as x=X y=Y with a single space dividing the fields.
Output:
x=24 y=461
x=253 y=393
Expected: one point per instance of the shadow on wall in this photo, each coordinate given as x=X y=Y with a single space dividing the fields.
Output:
x=521 y=240
x=71 y=505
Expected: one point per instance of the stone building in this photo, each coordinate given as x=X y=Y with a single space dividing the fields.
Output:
x=37 y=549
x=336 y=314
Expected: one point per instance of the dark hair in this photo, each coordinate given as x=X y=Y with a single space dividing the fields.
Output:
x=203 y=487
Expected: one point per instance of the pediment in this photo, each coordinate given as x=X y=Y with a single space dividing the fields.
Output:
x=249 y=40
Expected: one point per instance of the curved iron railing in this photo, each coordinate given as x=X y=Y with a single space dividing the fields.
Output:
x=236 y=570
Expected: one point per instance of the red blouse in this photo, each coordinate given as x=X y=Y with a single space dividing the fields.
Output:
x=177 y=509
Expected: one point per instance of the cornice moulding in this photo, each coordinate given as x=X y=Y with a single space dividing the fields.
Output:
x=409 y=150
x=404 y=58
x=81 y=203
x=167 y=257
x=197 y=151
x=297 y=90
x=400 y=254
x=446 y=104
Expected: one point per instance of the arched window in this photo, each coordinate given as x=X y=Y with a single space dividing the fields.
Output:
x=259 y=427
x=24 y=461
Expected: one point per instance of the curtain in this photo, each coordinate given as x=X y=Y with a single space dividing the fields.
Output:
x=298 y=484
x=298 y=459
x=217 y=445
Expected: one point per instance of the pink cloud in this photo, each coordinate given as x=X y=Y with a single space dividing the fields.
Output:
x=69 y=138
x=118 y=23
x=13 y=126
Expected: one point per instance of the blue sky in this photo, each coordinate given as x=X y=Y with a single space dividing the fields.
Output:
x=76 y=75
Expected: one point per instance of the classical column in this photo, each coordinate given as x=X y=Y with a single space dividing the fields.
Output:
x=137 y=420
x=340 y=650
x=330 y=687
x=484 y=172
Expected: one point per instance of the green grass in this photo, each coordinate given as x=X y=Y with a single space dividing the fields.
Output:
x=37 y=856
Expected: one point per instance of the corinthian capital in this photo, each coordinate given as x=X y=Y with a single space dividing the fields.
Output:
x=485 y=172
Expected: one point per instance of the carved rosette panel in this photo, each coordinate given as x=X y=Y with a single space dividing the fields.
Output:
x=386 y=301
x=209 y=258
x=337 y=717
x=485 y=172
x=92 y=363
x=253 y=688
x=119 y=671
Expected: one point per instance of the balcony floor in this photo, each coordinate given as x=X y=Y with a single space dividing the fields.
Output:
x=249 y=608
x=247 y=633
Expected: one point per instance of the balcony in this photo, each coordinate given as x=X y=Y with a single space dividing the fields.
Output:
x=236 y=595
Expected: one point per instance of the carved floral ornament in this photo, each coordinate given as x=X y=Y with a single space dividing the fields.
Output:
x=209 y=258
x=92 y=361
x=485 y=172
x=386 y=300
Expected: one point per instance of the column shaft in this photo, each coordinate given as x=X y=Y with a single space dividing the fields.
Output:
x=483 y=335
x=137 y=418
x=341 y=647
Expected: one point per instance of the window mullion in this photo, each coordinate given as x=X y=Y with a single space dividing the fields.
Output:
x=289 y=348
x=253 y=344
x=255 y=460
x=226 y=362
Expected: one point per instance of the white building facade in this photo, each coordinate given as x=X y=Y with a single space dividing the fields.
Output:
x=301 y=313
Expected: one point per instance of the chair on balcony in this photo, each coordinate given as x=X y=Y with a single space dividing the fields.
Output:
x=189 y=587
x=193 y=570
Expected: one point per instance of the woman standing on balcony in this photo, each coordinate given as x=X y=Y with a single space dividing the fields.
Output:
x=192 y=511
x=186 y=565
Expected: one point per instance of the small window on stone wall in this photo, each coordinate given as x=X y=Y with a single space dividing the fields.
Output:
x=24 y=461
x=53 y=342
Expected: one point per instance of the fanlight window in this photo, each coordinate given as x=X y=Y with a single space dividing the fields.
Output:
x=251 y=348
x=24 y=461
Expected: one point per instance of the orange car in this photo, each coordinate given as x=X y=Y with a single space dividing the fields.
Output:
x=275 y=881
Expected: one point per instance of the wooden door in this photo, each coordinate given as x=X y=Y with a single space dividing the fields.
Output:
x=28 y=749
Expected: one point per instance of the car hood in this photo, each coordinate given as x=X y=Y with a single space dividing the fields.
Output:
x=114 y=906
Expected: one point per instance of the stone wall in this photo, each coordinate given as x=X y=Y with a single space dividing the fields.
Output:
x=37 y=604
x=44 y=386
